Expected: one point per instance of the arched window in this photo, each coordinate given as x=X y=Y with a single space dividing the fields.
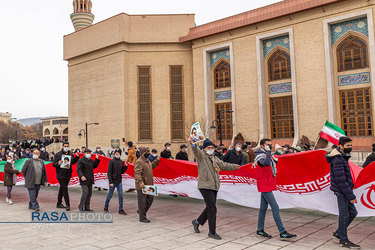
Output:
x=279 y=66
x=65 y=132
x=352 y=54
x=47 y=132
x=222 y=75
x=55 y=131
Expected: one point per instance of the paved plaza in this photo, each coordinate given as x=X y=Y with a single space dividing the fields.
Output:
x=170 y=226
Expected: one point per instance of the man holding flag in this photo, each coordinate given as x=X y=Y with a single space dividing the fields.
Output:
x=331 y=133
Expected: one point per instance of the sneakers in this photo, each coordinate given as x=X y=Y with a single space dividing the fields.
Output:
x=145 y=220
x=10 y=202
x=263 y=234
x=336 y=236
x=122 y=212
x=195 y=226
x=214 y=236
x=106 y=209
x=349 y=244
x=6 y=200
x=60 y=206
x=287 y=236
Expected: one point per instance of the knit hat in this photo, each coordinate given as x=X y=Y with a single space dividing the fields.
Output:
x=207 y=143
x=183 y=146
x=277 y=146
x=117 y=150
x=142 y=150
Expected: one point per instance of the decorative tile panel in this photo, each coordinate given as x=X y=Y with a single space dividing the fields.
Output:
x=337 y=30
x=280 y=88
x=354 y=79
x=223 y=95
x=269 y=44
x=216 y=55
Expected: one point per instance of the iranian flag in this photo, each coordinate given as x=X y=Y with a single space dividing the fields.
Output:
x=332 y=133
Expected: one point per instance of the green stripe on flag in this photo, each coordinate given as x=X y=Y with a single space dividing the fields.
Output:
x=334 y=127
x=18 y=164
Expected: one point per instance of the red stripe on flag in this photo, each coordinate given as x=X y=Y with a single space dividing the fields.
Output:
x=329 y=138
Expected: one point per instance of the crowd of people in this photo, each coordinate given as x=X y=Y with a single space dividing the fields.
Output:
x=210 y=158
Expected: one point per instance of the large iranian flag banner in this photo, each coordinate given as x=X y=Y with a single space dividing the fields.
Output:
x=332 y=133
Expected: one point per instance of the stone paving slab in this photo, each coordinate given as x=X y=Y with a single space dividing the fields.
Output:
x=170 y=227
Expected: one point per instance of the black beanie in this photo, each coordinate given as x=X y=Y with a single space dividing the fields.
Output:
x=207 y=143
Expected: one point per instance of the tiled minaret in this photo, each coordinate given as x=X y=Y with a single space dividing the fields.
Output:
x=82 y=16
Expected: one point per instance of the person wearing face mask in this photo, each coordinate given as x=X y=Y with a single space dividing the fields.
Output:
x=209 y=167
x=99 y=151
x=35 y=175
x=143 y=176
x=342 y=186
x=10 y=173
x=116 y=167
x=245 y=153
x=153 y=156
x=286 y=149
x=64 y=174
x=166 y=153
x=265 y=171
x=182 y=155
x=44 y=155
x=235 y=155
x=278 y=150
x=85 y=171
x=14 y=156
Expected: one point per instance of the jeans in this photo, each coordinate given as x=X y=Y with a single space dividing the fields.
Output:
x=269 y=198
x=110 y=194
x=63 y=192
x=9 y=192
x=209 y=213
x=85 y=198
x=347 y=213
x=144 y=204
x=33 y=194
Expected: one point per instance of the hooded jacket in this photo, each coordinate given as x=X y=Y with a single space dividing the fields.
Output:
x=341 y=177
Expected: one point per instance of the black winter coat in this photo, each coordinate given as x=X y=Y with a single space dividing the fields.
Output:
x=85 y=167
x=44 y=155
x=116 y=168
x=64 y=173
x=232 y=157
x=370 y=159
x=341 y=176
x=166 y=154
x=182 y=156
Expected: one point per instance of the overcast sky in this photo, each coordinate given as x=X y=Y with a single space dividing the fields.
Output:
x=33 y=75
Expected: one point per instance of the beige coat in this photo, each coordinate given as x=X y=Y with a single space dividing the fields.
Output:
x=143 y=171
x=208 y=177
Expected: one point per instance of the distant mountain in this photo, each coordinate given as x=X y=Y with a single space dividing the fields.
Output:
x=31 y=121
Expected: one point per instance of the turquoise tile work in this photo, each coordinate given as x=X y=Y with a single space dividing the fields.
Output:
x=360 y=25
x=269 y=44
x=216 y=55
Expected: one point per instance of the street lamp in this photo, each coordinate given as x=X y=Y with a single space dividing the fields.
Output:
x=86 y=132
x=218 y=123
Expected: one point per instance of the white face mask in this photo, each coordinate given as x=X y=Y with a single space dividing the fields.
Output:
x=238 y=149
x=185 y=150
x=88 y=156
x=154 y=155
x=43 y=149
x=35 y=157
x=210 y=152
x=98 y=149
x=117 y=156
x=168 y=148
x=9 y=161
x=66 y=149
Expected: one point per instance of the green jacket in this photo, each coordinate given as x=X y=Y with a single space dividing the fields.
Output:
x=208 y=177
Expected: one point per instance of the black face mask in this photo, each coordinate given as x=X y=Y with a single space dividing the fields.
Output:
x=348 y=150
x=147 y=155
